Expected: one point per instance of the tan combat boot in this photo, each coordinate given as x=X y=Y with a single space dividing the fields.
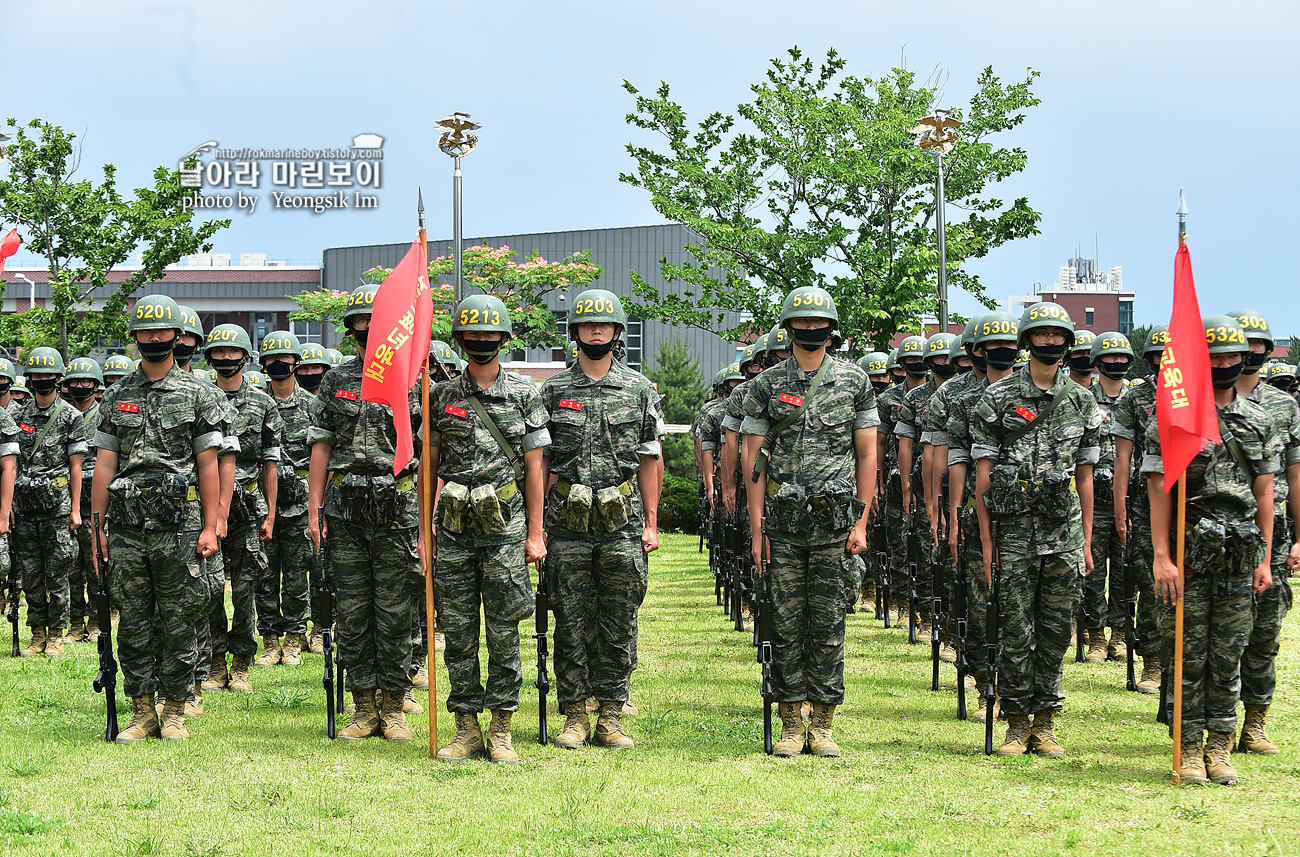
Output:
x=1218 y=759
x=592 y=705
x=54 y=644
x=1017 y=741
x=315 y=641
x=218 y=675
x=410 y=705
x=420 y=677
x=1117 y=648
x=439 y=642
x=820 y=740
x=1150 y=680
x=37 y=645
x=499 y=746
x=392 y=720
x=365 y=717
x=577 y=726
x=630 y=709
x=1253 y=737
x=1042 y=740
x=609 y=728
x=792 y=729
x=468 y=740
x=240 y=677
x=271 y=651
x=1096 y=646
x=76 y=633
x=923 y=631
x=291 y=652
x=144 y=721
x=92 y=629
x=948 y=654
x=173 y=721
x=983 y=710
x=1191 y=765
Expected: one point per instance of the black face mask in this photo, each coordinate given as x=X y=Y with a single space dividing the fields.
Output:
x=962 y=369
x=311 y=383
x=979 y=363
x=43 y=387
x=1081 y=363
x=593 y=351
x=184 y=353
x=5 y=385
x=915 y=368
x=944 y=370
x=812 y=339
x=1254 y=362
x=1114 y=371
x=227 y=368
x=481 y=350
x=897 y=379
x=157 y=352
x=1049 y=355
x=279 y=370
x=1225 y=376
x=81 y=394
x=880 y=385
x=1001 y=357
x=360 y=336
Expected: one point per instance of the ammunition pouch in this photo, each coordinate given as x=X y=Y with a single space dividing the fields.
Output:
x=1245 y=545
x=1103 y=487
x=290 y=486
x=612 y=510
x=604 y=510
x=575 y=511
x=453 y=505
x=1206 y=548
x=1051 y=495
x=373 y=500
x=247 y=504
x=791 y=509
x=39 y=496
x=166 y=500
x=1007 y=495
x=489 y=513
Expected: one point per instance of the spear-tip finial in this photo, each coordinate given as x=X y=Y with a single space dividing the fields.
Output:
x=1182 y=204
x=420 y=196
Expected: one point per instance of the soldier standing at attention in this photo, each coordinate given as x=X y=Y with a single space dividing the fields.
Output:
x=487 y=436
x=1259 y=661
x=47 y=507
x=1080 y=358
x=7 y=379
x=1227 y=556
x=252 y=507
x=810 y=425
x=311 y=368
x=909 y=369
x=601 y=519
x=117 y=367
x=83 y=380
x=1036 y=436
x=373 y=524
x=156 y=485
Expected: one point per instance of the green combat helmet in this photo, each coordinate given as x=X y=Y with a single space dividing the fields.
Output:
x=1022 y=359
x=360 y=302
x=875 y=363
x=1046 y=314
x=155 y=312
x=312 y=354
x=809 y=302
x=595 y=306
x=485 y=314
x=1256 y=327
x=1154 y=347
x=44 y=360
x=1283 y=376
x=279 y=342
x=571 y=353
x=335 y=356
x=996 y=327
x=912 y=346
x=778 y=339
x=753 y=354
x=1081 y=351
x=892 y=366
x=20 y=387
x=229 y=336
x=257 y=379
x=84 y=369
x=190 y=322
x=940 y=345
x=7 y=370
x=732 y=373
x=1223 y=335
x=117 y=366
x=442 y=352
x=1109 y=343
x=959 y=351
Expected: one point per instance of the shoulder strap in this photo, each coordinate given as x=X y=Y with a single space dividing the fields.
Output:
x=1234 y=446
x=59 y=404
x=483 y=415
x=763 y=453
x=1029 y=427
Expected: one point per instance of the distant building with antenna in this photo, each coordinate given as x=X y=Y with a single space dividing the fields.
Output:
x=1095 y=300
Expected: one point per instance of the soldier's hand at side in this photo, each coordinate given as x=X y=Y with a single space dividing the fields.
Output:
x=221 y=527
x=1263 y=577
x=729 y=498
x=1087 y=558
x=207 y=544
x=1121 y=524
x=987 y=550
x=952 y=540
x=313 y=530
x=1168 y=585
x=74 y=518
x=934 y=530
x=267 y=531
x=649 y=539
x=535 y=550
x=858 y=538
x=761 y=552
x=1293 y=558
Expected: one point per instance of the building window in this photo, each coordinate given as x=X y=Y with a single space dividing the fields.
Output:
x=1126 y=317
x=263 y=323
x=306 y=331
x=1088 y=317
x=559 y=353
x=632 y=338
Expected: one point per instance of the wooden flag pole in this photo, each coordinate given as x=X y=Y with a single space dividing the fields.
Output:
x=426 y=517
x=1178 y=627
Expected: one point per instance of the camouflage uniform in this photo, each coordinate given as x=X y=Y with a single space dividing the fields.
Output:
x=732 y=419
x=1135 y=412
x=600 y=430
x=912 y=422
x=1040 y=549
x=812 y=466
x=83 y=572
x=157 y=429
x=373 y=526
x=44 y=549
x=888 y=405
x=1104 y=605
x=9 y=432
x=712 y=436
x=1223 y=548
x=480 y=565
x=282 y=595
x=258 y=427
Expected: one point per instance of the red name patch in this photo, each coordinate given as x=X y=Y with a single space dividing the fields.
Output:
x=570 y=404
x=457 y=412
x=345 y=394
x=797 y=401
x=1026 y=413
x=26 y=428
x=129 y=407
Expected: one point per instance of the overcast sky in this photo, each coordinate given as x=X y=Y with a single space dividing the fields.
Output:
x=1139 y=98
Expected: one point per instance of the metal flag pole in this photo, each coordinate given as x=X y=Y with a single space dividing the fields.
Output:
x=426 y=529
x=937 y=134
x=456 y=142
x=1180 y=547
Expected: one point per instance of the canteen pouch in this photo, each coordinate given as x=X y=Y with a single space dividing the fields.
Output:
x=289 y=489
x=36 y=496
x=576 y=511
x=1103 y=486
x=383 y=500
x=1246 y=544
x=1206 y=546
x=168 y=501
x=611 y=510
x=453 y=503
x=790 y=509
x=125 y=503
x=354 y=497
x=488 y=519
x=837 y=508
x=1006 y=497
x=1052 y=496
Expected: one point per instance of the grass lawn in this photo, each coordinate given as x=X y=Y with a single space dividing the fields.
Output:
x=259 y=777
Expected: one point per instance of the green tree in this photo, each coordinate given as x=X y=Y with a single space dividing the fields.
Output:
x=677 y=375
x=819 y=182
x=1141 y=368
x=1293 y=353
x=83 y=230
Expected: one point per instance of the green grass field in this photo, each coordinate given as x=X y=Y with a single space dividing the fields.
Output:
x=259 y=777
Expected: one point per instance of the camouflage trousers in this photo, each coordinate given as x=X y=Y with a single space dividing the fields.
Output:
x=45 y=553
x=1142 y=557
x=492 y=579
x=1259 y=660
x=160 y=590
x=597 y=583
x=420 y=618
x=281 y=591
x=370 y=573
x=1103 y=590
x=1037 y=600
x=808 y=583
x=245 y=562
x=977 y=594
x=897 y=525
x=82 y=580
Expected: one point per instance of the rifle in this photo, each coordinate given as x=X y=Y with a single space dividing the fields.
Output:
x=326 y=634
x=743 y=563
x=991 y=651
x=1130 y=617
x=701 y=509
x=1080 y=629
x=937 y=616
x=106 y=679
x=764 y=625
x=913 y=541
x=960 y=605
x=543 y=683
x=12 y=585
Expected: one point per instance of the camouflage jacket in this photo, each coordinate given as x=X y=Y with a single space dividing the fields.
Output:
x=469 y=454
x=8 y=434
x=65 y=436
x=1286 y=426
x=911 y=417
x=960 y=406
x=934 y=421
x=710 y=426
x=1045 y=457
x=295 y=453
x=1136 y=410
x=258 y=426
x=1105 y=497
x=90 y=422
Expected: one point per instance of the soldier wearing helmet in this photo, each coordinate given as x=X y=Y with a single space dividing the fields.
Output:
x=115 y=367
x=1080 y=358
x=156 y=481
x=1227 y=485
x=712 y=434
x=1035 y=437
x=489 y=525
x=909 y=366
x=1283 y=377
x=810 y=466
x=601 y=517
x=191 y=337
x=19 y=395
x=7 y=379
x=82 y=380
x=1259 y=660
x=47 y=511
x=313 y=363
x=372 y=519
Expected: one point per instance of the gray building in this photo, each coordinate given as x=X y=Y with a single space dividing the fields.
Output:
x=619 y=251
